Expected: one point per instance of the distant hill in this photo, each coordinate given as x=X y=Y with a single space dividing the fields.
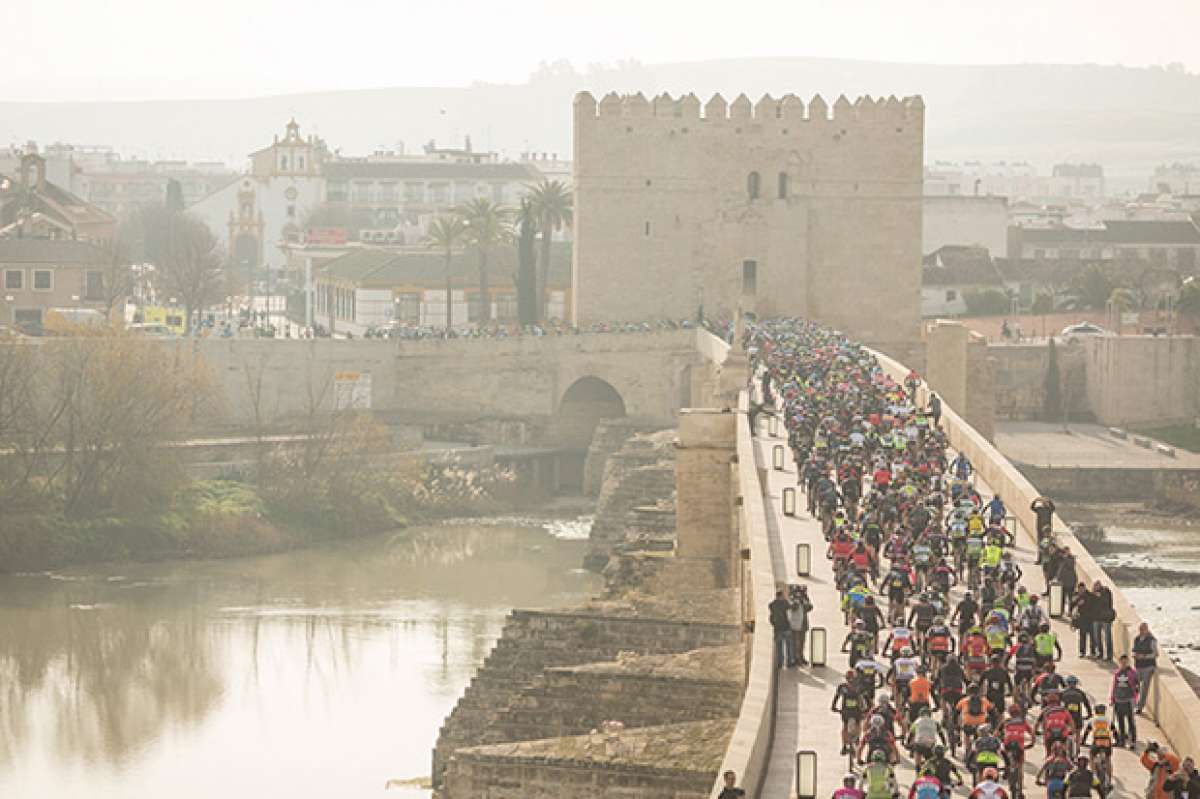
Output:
x=1128 y=119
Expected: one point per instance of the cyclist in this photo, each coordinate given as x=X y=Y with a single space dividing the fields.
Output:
x=879 y=778
x=1076 y=701
x=1023 y=657
x=1054 y=771
x=859 y=643
x=920 y=692
x=989 y=788
x=975 y=651
x=924 y=734
x=938 y=642
x=1046 y=645
x=997 y=684
x=985 y=751
x=849 y=789
x=925 y=786
x=1100 y=729
x=1047 y=682
x=973 y=711
x=943 y=769
x=1018 y=736
x=1055 y=723
x=848 y=702
x=1082 y=781
x=877 y=739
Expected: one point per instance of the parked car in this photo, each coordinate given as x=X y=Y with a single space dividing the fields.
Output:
x=1082 y=330
x=152 y=330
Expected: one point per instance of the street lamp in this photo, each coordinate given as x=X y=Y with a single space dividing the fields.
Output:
x=803 y=559
x=806 y=774
x=773 y=426
x=789 y=501
x=1057 y=600
x=777 y=457
x=816 y=646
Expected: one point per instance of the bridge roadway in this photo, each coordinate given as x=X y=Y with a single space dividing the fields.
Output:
x=803 y=720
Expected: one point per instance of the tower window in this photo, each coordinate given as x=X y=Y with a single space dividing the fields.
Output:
x=783 y=185
x=753 y=185
x=749 y=277
x=283 y=162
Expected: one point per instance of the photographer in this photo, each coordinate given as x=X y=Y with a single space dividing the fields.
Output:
x=1162 y=763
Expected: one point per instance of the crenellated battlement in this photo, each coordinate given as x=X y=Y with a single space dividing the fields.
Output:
x=788 y=108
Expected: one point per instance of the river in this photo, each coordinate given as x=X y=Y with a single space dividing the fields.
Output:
x=320 y=673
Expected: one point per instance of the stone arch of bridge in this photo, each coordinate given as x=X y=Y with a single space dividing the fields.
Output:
x=587 y=401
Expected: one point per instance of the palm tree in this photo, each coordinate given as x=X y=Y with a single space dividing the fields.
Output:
x=486 y=226
x=525 y=227
x=552 y=207
x=445 y=234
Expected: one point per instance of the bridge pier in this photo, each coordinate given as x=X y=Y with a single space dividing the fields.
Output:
x=704 y=491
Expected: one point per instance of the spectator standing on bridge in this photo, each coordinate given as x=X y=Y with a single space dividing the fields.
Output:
x=1043 y=509
x=785 y=644
x=1184 y=783
x=731 y=791
x=1105 y=615
x=1066 y=574
x=801 y=606
x=935 y=409
x=1123 y=697
x=1083 y=618
x=1145 y=663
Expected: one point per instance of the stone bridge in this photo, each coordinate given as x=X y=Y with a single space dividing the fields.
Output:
x=552 y=389
x=785 y=712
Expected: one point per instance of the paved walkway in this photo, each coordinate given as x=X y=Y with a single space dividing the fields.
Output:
x=803 y=719
x=1042 y=444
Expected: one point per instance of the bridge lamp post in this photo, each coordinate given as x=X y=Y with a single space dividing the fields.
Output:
x=789 y=501
x=773 y=426
x=817 y=643
x=806 y=774
x=803 y=560
x=1057 y=598
x=777 y=457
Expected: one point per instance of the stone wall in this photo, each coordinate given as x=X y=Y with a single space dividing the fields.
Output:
x=1019 y=384
x=608 y=439
x=535 y=640
x=1143 y=380
x=639 y=476
x=1179 y=488
x=638 y=691
x=629 y=764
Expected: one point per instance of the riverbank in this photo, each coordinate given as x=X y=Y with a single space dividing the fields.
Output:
x=231 y=518
x=1153 y=554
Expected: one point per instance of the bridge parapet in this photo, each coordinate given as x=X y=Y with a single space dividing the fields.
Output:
x=1172 y=703
x=750 y=747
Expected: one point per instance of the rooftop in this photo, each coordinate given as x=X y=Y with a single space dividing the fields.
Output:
x=50 y=251
x=427 y=170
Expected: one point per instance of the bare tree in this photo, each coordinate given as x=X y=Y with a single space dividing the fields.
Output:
x=192 y=265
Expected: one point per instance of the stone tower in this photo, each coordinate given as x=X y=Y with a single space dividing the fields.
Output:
x=775 y=207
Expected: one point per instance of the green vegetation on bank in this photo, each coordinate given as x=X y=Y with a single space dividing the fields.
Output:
x=88 y=471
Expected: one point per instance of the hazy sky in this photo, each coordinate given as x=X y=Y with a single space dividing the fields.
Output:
x=140 y=49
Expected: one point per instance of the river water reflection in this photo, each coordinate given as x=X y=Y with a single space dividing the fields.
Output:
x=312 y=674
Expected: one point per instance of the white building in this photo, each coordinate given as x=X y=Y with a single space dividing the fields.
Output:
x=965 y=220
x=266 y=207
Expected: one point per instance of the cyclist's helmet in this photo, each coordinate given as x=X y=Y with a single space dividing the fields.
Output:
x=1072 y=681
x=878 y=756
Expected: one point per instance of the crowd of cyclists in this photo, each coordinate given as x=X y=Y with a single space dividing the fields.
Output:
x=950 y=657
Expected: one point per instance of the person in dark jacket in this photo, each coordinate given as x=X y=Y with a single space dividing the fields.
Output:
x=1184 y=783
x=1103 y=616
x=1066 y=574
x=785 y=642
x=1083 y=618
